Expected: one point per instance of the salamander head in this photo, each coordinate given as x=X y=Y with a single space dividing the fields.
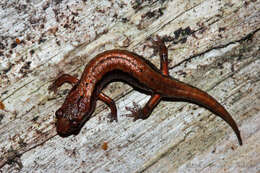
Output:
x=73 y=114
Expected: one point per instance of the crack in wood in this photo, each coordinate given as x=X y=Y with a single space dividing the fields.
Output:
x=247 y=37
x=17 y=89
x=13 y=155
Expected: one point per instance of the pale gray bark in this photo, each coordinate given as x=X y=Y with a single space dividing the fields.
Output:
x=218 y=51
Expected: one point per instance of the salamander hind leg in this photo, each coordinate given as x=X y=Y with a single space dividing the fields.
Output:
x=136 y=111
x=159 y=46
x=145 y=112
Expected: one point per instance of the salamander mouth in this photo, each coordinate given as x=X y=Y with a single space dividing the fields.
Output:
x=64 y=128
x=64 y=135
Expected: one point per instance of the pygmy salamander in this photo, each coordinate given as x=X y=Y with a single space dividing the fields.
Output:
x=122 y=65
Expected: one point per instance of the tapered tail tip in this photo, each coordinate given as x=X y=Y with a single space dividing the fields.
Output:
x=239 y=139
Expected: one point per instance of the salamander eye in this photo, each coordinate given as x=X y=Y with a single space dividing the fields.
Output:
x=74 y=123
x=59 y=113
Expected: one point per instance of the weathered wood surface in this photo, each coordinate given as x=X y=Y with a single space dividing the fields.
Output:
x=218 y=50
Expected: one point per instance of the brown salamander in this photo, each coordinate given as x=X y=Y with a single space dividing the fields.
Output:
x=122 y=65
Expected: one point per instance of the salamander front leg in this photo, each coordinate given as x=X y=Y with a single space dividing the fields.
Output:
x=110 y=102
x=144 y=113
x=65 y=78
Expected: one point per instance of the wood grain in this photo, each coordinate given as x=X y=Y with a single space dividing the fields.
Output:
x=213 y=45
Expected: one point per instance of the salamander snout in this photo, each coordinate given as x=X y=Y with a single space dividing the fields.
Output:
x=64 y=126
